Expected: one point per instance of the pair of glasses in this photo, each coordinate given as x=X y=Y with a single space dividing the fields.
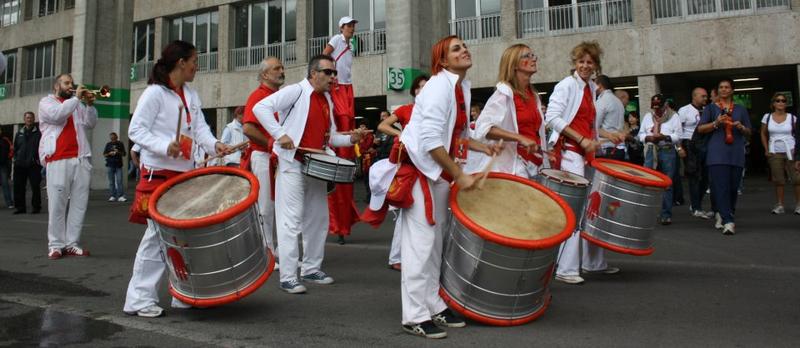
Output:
x=329 y=72
x=530 y=56
x=780 y=100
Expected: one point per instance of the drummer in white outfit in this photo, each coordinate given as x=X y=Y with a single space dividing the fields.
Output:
x=500 y=119
x=571 y=116
x=64 y=119
x=153 y=127
x=301 y=204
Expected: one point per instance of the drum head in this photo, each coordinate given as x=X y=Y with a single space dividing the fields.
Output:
x=632 y=173
x=203 y=196
x=513 y=209
x=564 y=177
x=330 y=159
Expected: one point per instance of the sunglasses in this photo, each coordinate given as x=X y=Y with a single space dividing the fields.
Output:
x=329 y=72
x=529 y=55
x=780 y=100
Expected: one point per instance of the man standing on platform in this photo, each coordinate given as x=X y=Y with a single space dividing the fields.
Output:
x=343 y=213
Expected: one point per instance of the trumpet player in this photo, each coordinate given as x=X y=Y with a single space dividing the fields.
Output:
x=65 y=117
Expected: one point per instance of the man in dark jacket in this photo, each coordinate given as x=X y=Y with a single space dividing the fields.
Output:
x=6 y=152
x=113 y=153
x=26 y=165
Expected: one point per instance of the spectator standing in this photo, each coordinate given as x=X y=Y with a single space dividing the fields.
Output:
x=384 y=140
x=660 y=131
x=113 y=153
x=232 y=135
x=610 y=120
x=694 y=148
x=634 y=147
x=6 y=155
x=27 y=167
x=777 y=136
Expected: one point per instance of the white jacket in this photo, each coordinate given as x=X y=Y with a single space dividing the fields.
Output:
x=155 y=122
x=53 y=116
x=233 y=135
x=564 y=104
x=292 y=104
x=433 y=120
x=500 y=111
x=672 y=128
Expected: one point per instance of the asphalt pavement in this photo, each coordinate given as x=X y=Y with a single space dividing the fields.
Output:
x=699 y=288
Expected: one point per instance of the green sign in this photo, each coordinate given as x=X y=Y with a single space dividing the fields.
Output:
x=2 y=92
x=116 y=106
x=400 y=79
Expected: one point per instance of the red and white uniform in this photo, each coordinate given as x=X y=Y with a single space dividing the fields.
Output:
x=439 y=120
x=510 y=112
x=572 y=104
x=260 y=164
x=65 y=151
x=300 y=204
x=153 y=128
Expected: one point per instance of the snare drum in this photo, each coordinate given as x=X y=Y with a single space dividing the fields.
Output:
x=211 y=235
x=623 y=205
x=571 y=187
x=500 y=249
x=329 y=168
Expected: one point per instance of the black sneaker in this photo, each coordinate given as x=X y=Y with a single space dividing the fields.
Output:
x=447 y=319
x=425 y=329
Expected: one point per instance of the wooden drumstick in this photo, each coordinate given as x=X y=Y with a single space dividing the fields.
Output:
x=180 y=119
x=353 y=131
x=220 y=155
x=489 y=166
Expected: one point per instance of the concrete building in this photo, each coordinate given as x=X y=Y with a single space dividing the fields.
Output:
x=651 y=46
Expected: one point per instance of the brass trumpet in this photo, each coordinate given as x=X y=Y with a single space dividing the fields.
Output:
x=103 y=92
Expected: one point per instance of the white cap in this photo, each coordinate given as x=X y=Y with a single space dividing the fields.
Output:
x=346 y=20
x=381 y=174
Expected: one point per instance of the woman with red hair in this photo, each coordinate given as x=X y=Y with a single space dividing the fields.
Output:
x=435 y=143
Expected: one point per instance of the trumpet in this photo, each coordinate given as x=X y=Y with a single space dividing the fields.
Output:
x=103 y=92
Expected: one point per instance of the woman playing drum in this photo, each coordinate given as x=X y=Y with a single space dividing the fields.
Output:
x=436 y=137
x=571 y=115
x=513 y=113
x=167 y=106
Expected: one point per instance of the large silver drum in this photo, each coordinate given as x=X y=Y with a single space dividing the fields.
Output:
x=623 y=205
x=500 y=249
x=211 y=237
x=329 y=168
x=571 y=187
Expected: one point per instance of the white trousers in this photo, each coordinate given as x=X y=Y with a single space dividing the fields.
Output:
x=259 y=161
x=148 y=270
x=301 y=207
x=421 y=253
x=394 y=252
x=569 y=261
x=67 y=182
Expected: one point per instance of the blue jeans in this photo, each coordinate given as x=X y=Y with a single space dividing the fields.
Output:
x=725 y=182
x=6 y=189
x=115 y=182
x=667 y=158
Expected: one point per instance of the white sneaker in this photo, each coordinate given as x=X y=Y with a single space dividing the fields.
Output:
x=797 y=210
x=569 y=279
x=729 y=229
x=718 y=224
x=701 y=214
x=112 y=199
x=151 y=311
x=122 y=199
x=176 y=303
x=778 y=209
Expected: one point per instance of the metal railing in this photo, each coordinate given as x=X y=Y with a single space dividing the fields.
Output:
x=665 y=11
x=476 y=28
x=37 y=86
x=141 y=71
x=249 y=58
x=207 y=62
x=316 y=45
x=8 y=90
x=586 y=16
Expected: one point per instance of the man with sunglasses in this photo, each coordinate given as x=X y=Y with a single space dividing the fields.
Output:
x=305 y=125
x=343 y=212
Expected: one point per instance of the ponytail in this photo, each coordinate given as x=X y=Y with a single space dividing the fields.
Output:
x=175 y=51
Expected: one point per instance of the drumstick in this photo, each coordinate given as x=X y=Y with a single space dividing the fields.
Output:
x=489 y=166
x=178 y=132
x=307 y=149
x=220 y=155
x=353 y=131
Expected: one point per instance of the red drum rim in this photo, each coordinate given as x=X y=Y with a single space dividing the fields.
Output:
x=237 y=209
x=665 y=181
x=617 y=248
x=218 y=301
x=544 y=243
x=491 y=320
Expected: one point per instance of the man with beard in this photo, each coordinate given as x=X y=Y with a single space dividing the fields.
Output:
x=65 y=118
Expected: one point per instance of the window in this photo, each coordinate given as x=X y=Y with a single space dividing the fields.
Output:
x=9 y=12
x=11 y=66
x=69 y=4
x=475 y=19
x=40 y=61
x=47 y=7
x=370 y=36
x=537 y=17
x=143 y=54
x=676 y=10
x=264 y=28
x=201 y=30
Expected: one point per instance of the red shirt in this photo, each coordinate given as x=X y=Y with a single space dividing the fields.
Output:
x=583 y=123
x=315 y=136
x=461 y=123
x=67 y=142
x=528 y=119
x=403 y=114
x=249 y=117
